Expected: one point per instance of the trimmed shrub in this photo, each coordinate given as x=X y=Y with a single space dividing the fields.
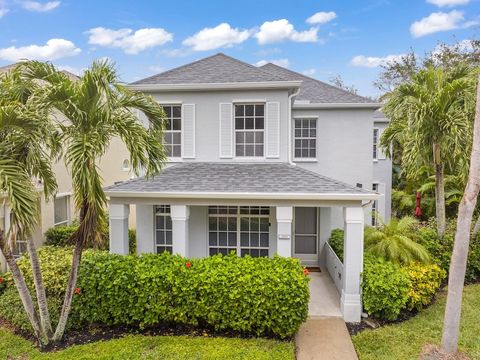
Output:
x=424 y=283
x=336 y=242
x=59 y=235
x=132 y=241
x=258 y=296
x=385 y=288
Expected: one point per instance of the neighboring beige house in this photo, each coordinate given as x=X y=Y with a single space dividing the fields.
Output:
x=114 y=166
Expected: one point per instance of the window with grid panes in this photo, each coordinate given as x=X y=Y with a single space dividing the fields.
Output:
x=249 y=130
x=305 y=138
x=172 y=140
x=243 y=230
x=163 y=229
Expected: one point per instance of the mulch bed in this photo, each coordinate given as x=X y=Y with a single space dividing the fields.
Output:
x=94 y=333
x=432 y=352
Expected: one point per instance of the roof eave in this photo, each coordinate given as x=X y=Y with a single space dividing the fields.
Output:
x=216 y=86
x=244 y=195
x=337 y=106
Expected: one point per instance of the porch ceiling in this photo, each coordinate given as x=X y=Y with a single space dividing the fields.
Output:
x=239 y=181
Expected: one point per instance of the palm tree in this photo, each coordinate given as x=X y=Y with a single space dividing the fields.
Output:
x=27 y=143
x=458 y=264
x=393 y=242
x=96 y=108
x=431 y=117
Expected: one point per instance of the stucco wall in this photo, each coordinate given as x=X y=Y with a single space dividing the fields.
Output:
x=207 y=117
x=382 y=174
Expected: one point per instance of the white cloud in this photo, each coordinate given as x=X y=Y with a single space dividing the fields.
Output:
x=442 y=3
x=3 y=8
x=52 y=50
x=281 y=30
x=156 y=69
x=309 y=72
x=373 y=61
x=321 y=17
x=129 y=41
x=280 y=62
x=222 y=35
x=437 y=21
x=39 y=6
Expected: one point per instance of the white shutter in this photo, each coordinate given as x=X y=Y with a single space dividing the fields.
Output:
x=272 y=129
x=381 y=154
x=188 y=131
x=226 y=130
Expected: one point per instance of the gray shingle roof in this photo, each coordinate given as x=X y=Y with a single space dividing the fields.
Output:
x=218 y=68
x=236 y=178
x=314 y=90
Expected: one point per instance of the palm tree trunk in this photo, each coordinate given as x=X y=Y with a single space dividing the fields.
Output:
x=39 y=288
x=23 y=291
x=67 y=301
x=458 y=264
x=439 y=192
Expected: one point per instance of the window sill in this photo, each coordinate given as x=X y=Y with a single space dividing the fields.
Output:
x=375 y=160
x=174 y=159
x=306 y=160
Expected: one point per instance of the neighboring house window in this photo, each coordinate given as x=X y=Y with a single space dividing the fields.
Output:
x=305 y=138
x=375 y=144
x=163 y=229
x=173 y=130
x=249 y=130
x=375 y=206
x=243 y=230
x=61 y=209
x=126 y=165
x=20 y=248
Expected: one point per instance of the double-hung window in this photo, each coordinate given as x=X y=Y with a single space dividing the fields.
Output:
x=61 y=208
x=375 y=144
x=249 y=130
x=305 y=138
x=243 y=230
x=374 y=206
x=163 y=229
x=173 y=130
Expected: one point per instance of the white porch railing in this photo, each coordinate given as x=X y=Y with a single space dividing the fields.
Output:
x=334 y=266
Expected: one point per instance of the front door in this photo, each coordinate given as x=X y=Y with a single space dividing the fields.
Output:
x=305 y=230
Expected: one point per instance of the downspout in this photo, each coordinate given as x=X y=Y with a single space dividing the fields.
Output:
x=290 y=100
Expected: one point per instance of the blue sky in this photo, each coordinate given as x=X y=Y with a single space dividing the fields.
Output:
x=320 y=38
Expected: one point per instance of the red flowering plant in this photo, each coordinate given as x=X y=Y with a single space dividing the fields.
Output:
x=77 y=291
x=3 y=283
x=305 y=271
x=188 y=264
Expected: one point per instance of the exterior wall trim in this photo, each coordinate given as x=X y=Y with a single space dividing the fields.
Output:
x=338 y=106
x=216 y=86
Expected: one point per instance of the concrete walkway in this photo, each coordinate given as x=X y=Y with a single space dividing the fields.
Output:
x=324 y=336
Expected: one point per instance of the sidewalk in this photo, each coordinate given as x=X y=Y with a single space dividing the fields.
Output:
x=324 y=339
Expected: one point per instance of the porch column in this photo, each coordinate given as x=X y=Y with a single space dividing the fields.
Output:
x=351 y=305
x=284 y=230
x=145 y=229
x=180 y=215
x=118 y=219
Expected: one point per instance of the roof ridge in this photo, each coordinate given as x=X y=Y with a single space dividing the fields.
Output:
x=256 y=68
x=317 y=81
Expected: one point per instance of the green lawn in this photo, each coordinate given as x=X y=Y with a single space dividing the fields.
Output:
x=153 y=347
x=405 y=340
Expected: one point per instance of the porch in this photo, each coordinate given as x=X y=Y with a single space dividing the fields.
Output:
x=248 y=209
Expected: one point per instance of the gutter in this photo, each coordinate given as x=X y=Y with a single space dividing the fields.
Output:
x=289 y=147
x=243 y=195
x=338 y=105
x=215 y=86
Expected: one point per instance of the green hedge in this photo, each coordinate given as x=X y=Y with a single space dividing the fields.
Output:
x=60 y=236
x=258 y=296
x=336 y=242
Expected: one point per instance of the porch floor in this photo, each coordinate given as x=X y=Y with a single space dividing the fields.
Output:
x=324 y=296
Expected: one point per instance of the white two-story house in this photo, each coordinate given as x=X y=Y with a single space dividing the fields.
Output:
x=262 y=161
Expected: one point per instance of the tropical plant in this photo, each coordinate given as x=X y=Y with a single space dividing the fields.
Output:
x=458 y=264
x=431 y=117
x=27 y=143
x=394 y=242
x=93 y=110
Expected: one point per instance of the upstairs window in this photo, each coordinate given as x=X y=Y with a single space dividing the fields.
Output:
x=249 y=130
x=305 y=138
x=375 y=144
x=173 y=130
